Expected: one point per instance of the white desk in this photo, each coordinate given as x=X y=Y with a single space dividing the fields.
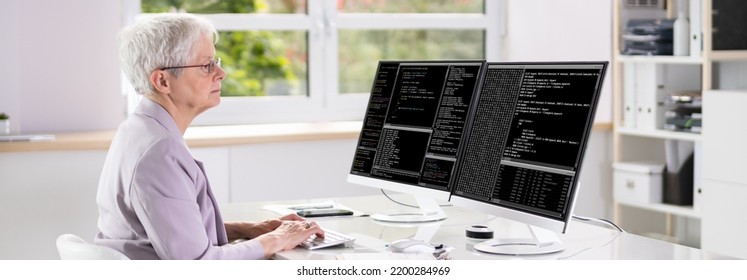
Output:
x=582 y=241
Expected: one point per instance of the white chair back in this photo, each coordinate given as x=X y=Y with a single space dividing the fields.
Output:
x=72 y=247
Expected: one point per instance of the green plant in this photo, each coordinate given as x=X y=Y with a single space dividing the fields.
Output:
x=4 y=116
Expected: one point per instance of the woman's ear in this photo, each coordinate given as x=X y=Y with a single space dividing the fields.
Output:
x=158 y=79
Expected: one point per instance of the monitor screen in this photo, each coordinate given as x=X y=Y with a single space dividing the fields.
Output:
x=414 y=125
x=525 y=141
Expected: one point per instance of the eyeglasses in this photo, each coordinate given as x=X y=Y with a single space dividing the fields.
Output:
x=207 y=68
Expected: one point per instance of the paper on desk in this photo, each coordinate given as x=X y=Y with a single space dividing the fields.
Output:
x=284 y=209
x=384 y=256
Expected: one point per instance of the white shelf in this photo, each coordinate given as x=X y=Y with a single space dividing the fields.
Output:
x=686 y=211
x=667 y=59
x=661 y=134
x=670 y=59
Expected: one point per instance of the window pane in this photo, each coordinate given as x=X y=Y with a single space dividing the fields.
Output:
x=361 y=50
x=261 y=63
x=224 y=6
x=411 y=6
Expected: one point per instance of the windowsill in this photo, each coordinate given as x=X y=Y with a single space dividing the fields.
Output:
x=202 y=136
x=211 y=136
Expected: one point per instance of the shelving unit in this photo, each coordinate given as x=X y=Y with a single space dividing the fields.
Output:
x=633 y=143
x=666 y=59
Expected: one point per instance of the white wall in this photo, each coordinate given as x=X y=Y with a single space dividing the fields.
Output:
x=62 y=65
x=310 y=169
x=45 y=194
x=595 y=192
x=547 y=30
x=9 y=74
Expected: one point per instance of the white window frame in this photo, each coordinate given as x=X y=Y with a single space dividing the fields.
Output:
x=322 y=22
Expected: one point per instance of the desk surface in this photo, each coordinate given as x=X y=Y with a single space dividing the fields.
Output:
x=582 y=241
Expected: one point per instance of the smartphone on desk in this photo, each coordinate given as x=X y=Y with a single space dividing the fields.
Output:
x=310 y=213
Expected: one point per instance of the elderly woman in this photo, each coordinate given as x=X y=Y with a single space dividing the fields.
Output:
x=154 y=199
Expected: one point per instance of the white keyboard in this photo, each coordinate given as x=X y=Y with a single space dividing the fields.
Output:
x=331 y=238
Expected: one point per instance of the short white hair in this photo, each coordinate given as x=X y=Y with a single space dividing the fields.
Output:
x=165 y=40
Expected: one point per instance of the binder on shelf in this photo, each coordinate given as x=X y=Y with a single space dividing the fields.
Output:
x=629 y=93
x=678 y=181
x=729 y=22
x=694 y=7
x=697 y=174
x=642 y=100
x=648 y=98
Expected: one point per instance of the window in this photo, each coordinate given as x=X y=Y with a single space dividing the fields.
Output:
x=314 y=60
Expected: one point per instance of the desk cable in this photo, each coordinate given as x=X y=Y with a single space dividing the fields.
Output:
x=598 y=220
x=405 y=204
x=614 y=237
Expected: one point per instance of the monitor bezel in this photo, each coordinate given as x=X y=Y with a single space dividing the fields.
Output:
x=556 y=225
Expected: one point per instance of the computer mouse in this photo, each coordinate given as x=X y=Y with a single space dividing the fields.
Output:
x=411 y=246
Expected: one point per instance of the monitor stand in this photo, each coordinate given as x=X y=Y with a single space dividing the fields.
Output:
x=543 y=241
x=425 y=231
x=430 y=211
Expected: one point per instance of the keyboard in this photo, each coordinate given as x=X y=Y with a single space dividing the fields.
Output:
x=331 y=238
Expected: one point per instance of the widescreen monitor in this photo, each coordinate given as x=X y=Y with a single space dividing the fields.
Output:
x=412 y=131
x=524 y=146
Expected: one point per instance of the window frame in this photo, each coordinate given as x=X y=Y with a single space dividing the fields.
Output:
x=322 y=22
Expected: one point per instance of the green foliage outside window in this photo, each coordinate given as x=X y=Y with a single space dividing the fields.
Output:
x=261 y=63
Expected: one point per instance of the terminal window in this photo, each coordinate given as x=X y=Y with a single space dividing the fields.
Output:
x=414 y=124
x=524 y=148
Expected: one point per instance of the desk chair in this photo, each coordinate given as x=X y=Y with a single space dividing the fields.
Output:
x=72 y=247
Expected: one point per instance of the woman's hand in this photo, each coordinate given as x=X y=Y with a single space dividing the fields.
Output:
x=251 y=230
x=288 y=235
x=292 y=217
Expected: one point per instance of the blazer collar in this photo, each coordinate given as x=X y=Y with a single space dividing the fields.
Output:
x=154 y=110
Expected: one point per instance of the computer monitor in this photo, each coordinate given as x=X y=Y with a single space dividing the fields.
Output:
x=524 y=147
x=412 y=131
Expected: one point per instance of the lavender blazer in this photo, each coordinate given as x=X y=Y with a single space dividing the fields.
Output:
x=154 y=199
